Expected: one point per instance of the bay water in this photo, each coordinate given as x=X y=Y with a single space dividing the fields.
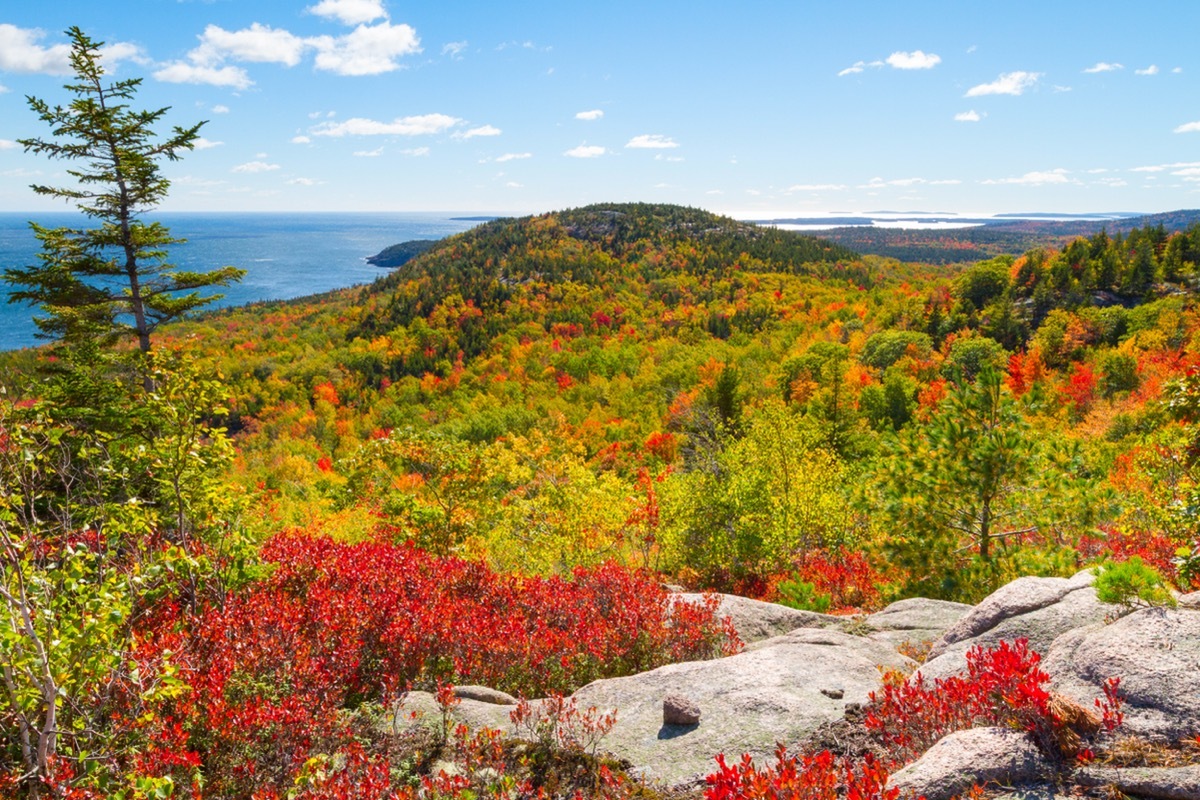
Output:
x=285 y=255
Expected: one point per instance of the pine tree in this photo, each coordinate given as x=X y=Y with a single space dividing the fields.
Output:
x=101 y=284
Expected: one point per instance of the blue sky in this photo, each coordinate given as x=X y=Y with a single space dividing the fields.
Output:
x=750 y=108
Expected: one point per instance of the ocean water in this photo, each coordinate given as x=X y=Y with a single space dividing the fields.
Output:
x=284 y=255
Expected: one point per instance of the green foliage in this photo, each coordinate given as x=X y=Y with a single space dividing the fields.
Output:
x=108 y=507
x=984 y=282
x=803 y=595
x=90 y=282
x=971 y=480
x=973 y=355
x=885 y=348
x=769 y=496
x=1132 y=583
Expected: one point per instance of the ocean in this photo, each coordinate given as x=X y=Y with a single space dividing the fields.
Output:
x=284 y=255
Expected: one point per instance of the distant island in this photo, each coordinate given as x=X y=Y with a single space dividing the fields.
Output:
x=399 y=254
x=987 y=237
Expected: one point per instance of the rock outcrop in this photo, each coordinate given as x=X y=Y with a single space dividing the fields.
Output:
x=1037 y=609
x=1156 y=654
x=915 y=620
x=672 y=722
x=750 y=702
x=1162 y=783
x=977 y=756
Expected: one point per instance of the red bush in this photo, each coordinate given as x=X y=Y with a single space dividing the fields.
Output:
x=810 y=777
x=335 y=624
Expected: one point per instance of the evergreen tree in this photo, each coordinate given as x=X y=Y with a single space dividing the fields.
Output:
x=103 y=283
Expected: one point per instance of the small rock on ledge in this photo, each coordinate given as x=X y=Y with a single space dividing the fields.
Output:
x=679 y=710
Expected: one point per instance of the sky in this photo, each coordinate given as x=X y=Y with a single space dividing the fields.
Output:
x=755 y=109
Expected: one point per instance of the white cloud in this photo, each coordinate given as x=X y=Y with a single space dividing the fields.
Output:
x=454 y=49
x=349 y=12
x=192 y=180
x=1104 y=66
x=8 y=144
x=1114 y=183
x=301 y=140
x=113 y=54
x=260 y=44
x=946 y=182
x=371 y=50
x=967 y=116
x=1054 y=176
x=652 y=141
x=586 y=151
x=1013 y=83
x=483 y=130
x=20 y=52
x=1097 y=171
x=1177 y=70
x=1188 y=127
x=303 y=182
x=513 y=157
x=1150 y=70
x=255 y=166
x=859 y=66
x=422 y=125
x=595 y=113
x=1058 y=88
x=816 y=187
x=378 y=151
x=4 y=89
x=514 y=185
x=1191 y=174
x=206 y=144
x=661 y=157
x=219 y=109
x=714 y=191
x=416 y=152
x=181 y=72
x=879 y=183
x=914 y=60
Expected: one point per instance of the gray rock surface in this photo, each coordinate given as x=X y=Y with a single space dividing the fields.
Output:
x=421 y=708
x=1167 y=783
x=485 y=694
x=1037 y=609
x=756 y=620
x=1189 y=600
x=1046 y=792
x=916 y=619
x=1155 y=652
x=751 y=701
x=979 y=755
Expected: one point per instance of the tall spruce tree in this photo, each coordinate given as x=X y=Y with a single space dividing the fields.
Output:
x=102 y=284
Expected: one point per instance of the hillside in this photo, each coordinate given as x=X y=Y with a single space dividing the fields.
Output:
x=482 y=468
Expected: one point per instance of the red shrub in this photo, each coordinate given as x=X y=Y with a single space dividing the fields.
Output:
x=810 y=777
x=337 y=624
x=845 y=575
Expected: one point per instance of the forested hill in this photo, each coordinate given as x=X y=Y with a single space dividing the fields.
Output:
x=598 y=245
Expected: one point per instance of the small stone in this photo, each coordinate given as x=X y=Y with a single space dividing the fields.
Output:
x=834 y=693
x=679 y=710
